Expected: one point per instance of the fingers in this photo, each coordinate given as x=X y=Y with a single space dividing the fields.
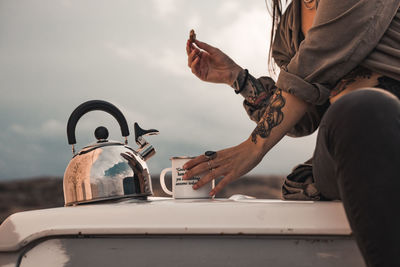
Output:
x=192 y=56
x=189 y=47
x=224 y=182
x=205 y=46
x=200 y=169
x=196 y=170
x=211 y=169
x=191 y=163
x=211 y=175
x=195 y=67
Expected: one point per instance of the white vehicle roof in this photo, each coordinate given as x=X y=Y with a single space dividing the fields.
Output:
x=237 y=215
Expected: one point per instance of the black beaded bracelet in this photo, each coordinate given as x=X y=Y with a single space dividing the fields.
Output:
x=241 y=87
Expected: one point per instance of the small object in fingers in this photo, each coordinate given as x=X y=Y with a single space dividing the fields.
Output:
x=192 y=36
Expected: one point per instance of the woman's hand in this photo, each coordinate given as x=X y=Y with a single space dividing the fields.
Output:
x=282 y=113
x=210 y=64
x=230 y=163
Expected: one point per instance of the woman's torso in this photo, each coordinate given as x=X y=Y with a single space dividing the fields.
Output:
x=360 y=77
x=383 y=60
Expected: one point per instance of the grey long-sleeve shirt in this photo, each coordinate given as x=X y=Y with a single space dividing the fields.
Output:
x=345 y=34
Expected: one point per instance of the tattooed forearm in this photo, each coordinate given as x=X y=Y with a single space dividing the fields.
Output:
x=273 y=116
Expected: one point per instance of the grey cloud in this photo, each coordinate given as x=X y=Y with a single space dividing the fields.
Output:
x=54 y=55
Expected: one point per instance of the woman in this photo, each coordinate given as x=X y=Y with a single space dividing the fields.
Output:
x=339 y=71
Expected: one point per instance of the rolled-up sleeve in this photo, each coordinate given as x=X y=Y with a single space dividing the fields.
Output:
x=343 y=34
x=256 y=93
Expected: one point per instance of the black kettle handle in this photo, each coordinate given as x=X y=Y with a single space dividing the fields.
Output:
x=92 y=105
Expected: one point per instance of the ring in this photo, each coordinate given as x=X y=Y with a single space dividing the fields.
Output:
x=210 y=155
x=209 y=165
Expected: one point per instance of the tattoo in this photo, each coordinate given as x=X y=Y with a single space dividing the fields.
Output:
x=351 y=77
x=273 y=116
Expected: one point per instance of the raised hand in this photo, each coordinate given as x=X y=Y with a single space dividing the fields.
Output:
x=210 y=64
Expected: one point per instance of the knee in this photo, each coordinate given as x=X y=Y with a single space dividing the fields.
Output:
x=364 y=122
x=362 y=109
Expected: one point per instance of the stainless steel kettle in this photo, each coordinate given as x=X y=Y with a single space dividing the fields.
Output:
x=106 y=169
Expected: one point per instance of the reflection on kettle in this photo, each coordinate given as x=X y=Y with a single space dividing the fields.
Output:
x=107 y=169
x=137 y=183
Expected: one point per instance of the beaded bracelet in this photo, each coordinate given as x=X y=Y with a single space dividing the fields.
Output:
x=241 y=87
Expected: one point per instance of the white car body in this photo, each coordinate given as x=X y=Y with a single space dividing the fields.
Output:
x=239 y=231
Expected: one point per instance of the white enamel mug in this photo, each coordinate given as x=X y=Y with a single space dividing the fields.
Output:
x=183 y=188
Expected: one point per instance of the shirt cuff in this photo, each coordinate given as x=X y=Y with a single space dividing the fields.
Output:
x=240 y=79
x=255 y=91
x=316 y=94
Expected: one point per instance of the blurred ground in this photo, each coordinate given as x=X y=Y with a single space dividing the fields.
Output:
x=47 y=192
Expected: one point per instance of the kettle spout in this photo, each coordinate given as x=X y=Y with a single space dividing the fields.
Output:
x=146 y=151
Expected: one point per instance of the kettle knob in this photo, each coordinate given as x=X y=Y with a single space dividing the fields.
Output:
x=101 y=133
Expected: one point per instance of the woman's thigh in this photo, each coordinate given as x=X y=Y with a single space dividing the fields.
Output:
x=359 y=131
x=357 y=160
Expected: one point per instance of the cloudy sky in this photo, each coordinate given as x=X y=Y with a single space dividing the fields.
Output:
x=56 y=54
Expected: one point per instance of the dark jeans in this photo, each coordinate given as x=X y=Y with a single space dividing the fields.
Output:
x=357 y=160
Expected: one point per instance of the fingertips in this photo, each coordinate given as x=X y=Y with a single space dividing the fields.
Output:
x=200 y=44
x=196 y=170
x=191 y=163
x=188 y=48
x=187 y=175
x=206 y=179
x=220 y=185
x=188 y=165
x=214 y=191
x=204 y=46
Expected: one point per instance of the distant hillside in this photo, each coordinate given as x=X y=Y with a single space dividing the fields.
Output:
x=47 y=192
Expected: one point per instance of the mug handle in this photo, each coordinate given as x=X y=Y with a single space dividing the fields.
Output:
x=162 y=181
